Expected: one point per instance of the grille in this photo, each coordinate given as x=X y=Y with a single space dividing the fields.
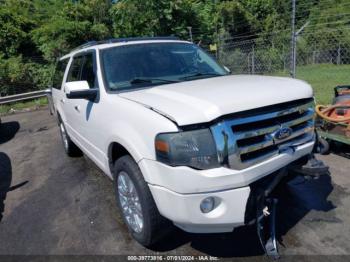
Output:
x=254 y=137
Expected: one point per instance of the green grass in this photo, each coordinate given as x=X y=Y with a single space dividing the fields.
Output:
x=18 y=106
x=323 y=78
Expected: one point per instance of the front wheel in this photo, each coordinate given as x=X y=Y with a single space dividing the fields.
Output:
x=136 y=203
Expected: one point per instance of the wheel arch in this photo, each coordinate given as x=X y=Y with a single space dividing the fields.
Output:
x=116 y=150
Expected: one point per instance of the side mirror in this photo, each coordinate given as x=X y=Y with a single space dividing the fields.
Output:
x=227 y=69
x=80 y=90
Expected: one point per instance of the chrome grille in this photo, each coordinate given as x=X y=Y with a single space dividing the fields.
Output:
x=245 y=140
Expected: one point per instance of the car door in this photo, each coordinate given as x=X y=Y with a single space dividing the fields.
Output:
x=57 y=82
x=80 y=112
x=70 y=116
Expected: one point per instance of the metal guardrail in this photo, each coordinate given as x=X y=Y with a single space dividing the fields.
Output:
x=22 y=97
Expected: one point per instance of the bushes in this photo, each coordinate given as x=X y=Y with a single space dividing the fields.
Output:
x=17 y=76
x=34 y=33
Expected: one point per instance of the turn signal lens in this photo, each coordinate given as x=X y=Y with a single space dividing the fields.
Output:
x=162 y=146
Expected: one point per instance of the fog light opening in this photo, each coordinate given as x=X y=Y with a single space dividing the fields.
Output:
x=207 y=204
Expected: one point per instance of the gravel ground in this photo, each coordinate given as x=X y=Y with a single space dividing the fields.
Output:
x=55 y=205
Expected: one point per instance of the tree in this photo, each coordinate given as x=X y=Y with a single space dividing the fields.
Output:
x=72 y=25
x=15 y=26
x=162 y=18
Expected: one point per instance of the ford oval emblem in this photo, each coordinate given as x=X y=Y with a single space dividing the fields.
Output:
x=283 y=133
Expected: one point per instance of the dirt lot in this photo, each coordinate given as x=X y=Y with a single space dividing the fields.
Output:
x=60 y=205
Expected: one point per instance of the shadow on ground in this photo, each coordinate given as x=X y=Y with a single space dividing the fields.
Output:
x=5 y=181
x=297 y=197
x=340 y=149
x=8 y=131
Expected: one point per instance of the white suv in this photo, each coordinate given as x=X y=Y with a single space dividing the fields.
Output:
x=185 y=142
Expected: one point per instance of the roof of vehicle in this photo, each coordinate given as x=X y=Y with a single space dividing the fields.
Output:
x=121 y=41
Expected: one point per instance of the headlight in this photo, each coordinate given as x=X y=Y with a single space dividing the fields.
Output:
x=191 y=148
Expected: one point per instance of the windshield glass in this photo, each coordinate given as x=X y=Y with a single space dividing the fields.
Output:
x=140 y=65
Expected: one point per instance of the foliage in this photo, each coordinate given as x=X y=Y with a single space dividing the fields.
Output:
x=14 y=28
x=72 y=25
x=34 y=33
x=167 y=17
x=329 y=24
x=17 y=76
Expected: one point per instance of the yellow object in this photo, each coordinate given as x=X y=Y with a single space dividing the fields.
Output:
x=213 y=47
x=162 y=146
x=322 y=111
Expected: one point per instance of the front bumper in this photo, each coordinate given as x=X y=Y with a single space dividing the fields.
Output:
x=184 y=209
x=235 y=207
x=178 y=191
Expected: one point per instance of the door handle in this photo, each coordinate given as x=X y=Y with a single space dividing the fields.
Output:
x=77 y=108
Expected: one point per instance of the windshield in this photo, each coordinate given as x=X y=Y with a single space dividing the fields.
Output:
x=140 y=65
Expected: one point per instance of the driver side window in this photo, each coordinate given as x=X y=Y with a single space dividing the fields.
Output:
x=75 y=69
x=83 y=68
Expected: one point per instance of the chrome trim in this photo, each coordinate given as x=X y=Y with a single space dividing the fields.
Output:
x=254 y=147
x=241 y=135
x=226 y=139
x=258 y=132
x=301 y=108
x=258 y=159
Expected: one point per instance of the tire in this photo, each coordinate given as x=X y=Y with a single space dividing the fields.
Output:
x=323 y=146
x=154 y=226
x=71 y=149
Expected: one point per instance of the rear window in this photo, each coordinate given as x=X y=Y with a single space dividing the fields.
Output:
x=59 y=73
x=75 y=69
x=87 y=72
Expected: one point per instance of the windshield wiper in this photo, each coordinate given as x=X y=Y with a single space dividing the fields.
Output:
x=199 y=74
x=140 y=80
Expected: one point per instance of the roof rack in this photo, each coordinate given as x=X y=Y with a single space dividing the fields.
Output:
x=127 y=39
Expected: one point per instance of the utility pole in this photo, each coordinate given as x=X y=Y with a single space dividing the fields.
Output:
x=338 y=55
x=190 y=33
x=293 y=42
x=217 y=34
x=253 y=60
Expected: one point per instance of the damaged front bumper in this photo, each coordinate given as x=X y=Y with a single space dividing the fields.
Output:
x=233 y=207
x=262 y=202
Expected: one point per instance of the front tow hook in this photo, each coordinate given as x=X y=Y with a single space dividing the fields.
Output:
x=266 y=228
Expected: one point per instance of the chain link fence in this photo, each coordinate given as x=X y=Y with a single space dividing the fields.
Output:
x=323 y=58
x=252 y=57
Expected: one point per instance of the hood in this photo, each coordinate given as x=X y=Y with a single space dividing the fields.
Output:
x=204 y=100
